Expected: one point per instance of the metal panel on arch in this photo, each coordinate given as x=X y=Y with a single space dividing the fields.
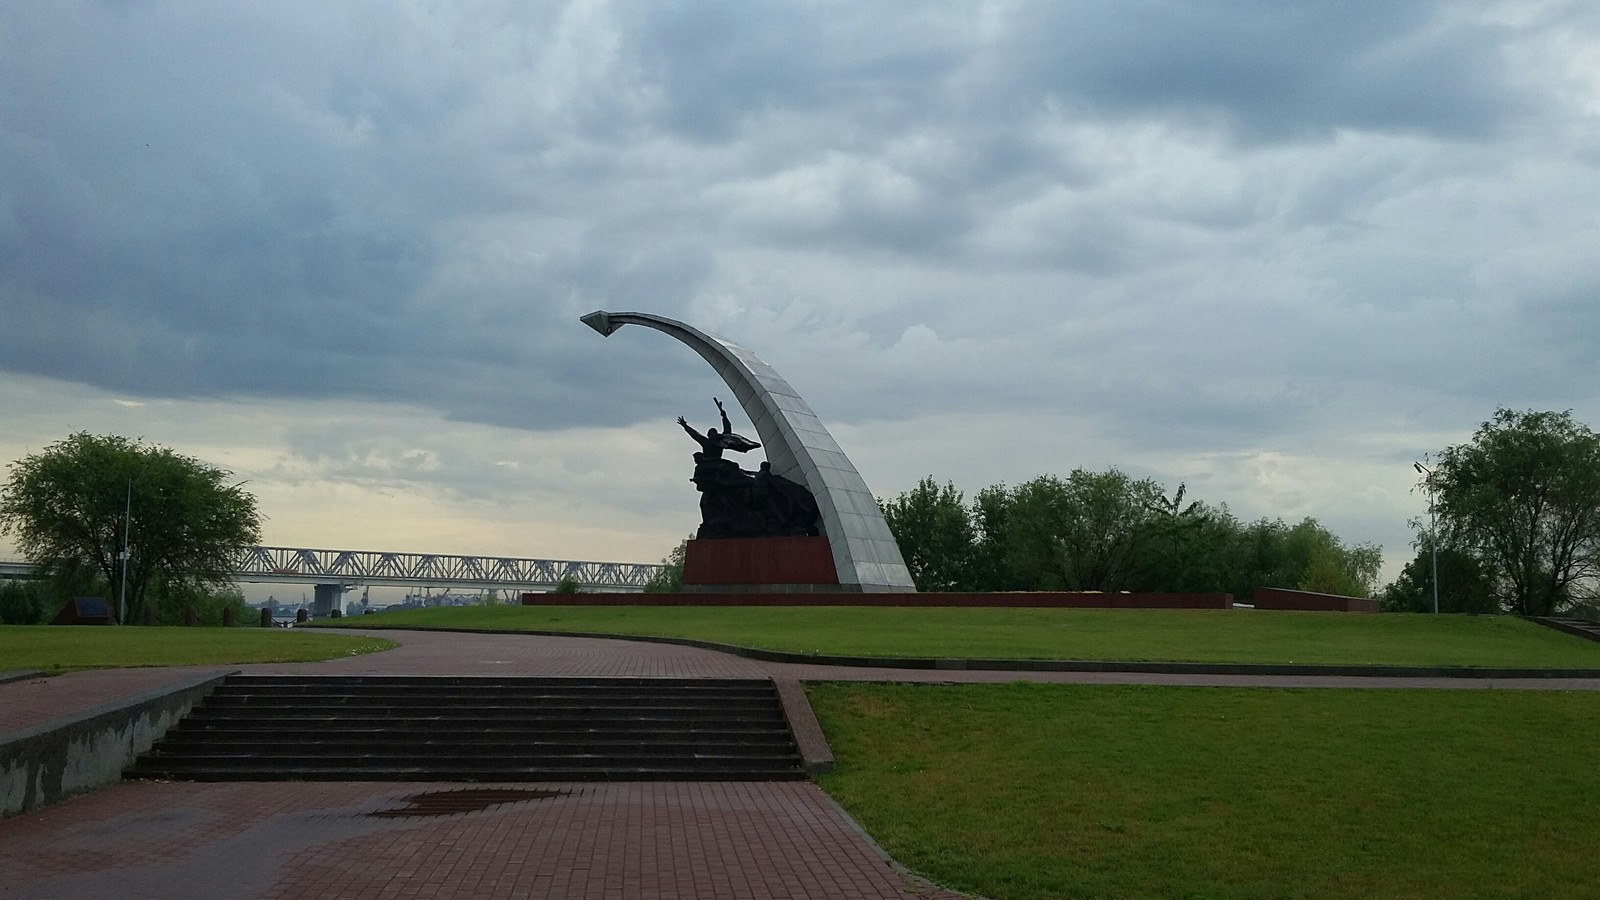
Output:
x=800 y=449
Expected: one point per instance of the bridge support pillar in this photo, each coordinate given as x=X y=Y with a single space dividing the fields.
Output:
x=325 y=599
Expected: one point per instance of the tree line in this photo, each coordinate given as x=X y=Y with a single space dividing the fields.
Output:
x=1515 y=527
x=1107 y=531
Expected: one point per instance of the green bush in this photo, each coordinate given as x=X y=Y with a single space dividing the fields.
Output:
x=172 y=606
x=26 y=603
x=670 y=579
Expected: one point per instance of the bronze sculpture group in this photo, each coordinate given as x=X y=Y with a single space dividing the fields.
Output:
x=736 y=503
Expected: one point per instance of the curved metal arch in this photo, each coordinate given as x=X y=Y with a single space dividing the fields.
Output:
x=799 y=447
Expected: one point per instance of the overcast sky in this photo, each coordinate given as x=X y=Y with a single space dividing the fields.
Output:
x=1275 y=251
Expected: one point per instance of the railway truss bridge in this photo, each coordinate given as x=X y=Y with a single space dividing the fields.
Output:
x=333 y=572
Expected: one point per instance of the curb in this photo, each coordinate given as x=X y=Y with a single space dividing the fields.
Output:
x=1043 y=665
x=914 y=880
x=47 y=762
x=815 y=755
x=20 y=675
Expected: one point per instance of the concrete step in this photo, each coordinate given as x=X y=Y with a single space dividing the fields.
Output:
x=486 y=701
x=506 y=716
x=430 y=748
x=453 y=758
x=512 y=774
x=1576 y=627
x=400 y=728
x=266 y=738
x=318 y=682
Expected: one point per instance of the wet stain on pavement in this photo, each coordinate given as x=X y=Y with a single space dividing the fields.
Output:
x=449 y=803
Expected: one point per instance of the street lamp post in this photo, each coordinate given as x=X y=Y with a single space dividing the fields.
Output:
x=1433 y=533
x=122 y=589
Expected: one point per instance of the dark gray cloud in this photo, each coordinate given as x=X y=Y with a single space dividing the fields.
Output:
x=1195 y=219
x=1271 y=71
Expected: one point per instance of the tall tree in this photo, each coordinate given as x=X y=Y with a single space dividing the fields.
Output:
x=1305 y=556
x=1464 y=587
x=1184 y=546
x=1326 y=565
x=936 y=535
x=74 y=506
x=1523 y=498
x=991 y=517
x=1080 y=533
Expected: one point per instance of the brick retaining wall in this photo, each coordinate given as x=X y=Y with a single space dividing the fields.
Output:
x=1046 y=599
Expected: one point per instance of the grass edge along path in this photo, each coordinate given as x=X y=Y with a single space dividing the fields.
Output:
x=1023 y=791
x=54 y=649
x=1201 y=636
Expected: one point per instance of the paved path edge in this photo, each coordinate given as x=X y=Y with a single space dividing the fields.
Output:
x=44 y=763
x=816 y=756
x=20 y=675
x=912 y=878
x=1036 y=665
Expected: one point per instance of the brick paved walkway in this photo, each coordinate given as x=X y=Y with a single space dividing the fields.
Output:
x=352 y=840
x=624 y=840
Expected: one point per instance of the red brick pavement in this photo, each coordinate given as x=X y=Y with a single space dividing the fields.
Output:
x=289 y=840
x=37 y=701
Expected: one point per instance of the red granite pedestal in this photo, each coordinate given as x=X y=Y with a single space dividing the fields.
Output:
x=770 y=564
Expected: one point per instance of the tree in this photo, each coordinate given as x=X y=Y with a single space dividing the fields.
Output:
x=1327 y=566
x=74 y=506
x=1106 y=531
x=1081 y=533
x=670 y=579
x=26 y=602
x=1464 y=586
x=1271 y=553
x=1184 y=548
x=991 y=517
x=172 y=605
x=1523 y=499
x=936 y=535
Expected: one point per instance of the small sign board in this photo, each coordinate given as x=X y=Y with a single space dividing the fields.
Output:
x=84 y=611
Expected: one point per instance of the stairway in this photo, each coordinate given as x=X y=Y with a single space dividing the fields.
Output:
x=419 y=728
x=1577 y=627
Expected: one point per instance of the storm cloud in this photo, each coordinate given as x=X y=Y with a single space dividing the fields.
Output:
x=1173 y=235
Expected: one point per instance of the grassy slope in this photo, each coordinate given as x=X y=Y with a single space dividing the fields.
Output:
x=1168 y=635
x=1033 y=791
x=54 y=648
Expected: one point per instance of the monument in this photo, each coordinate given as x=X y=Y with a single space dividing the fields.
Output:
x=735 y=503
x=804 y=520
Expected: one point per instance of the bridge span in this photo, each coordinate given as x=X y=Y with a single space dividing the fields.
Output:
x=371 y=567
x=335 y=571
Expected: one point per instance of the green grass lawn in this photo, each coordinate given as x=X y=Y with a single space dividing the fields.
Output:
x=60 y=648
x=1243 y=636
x=1023 y=791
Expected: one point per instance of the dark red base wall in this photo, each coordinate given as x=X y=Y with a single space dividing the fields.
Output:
x=771 y=560
x=1019 y=599
x=1281 y=598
